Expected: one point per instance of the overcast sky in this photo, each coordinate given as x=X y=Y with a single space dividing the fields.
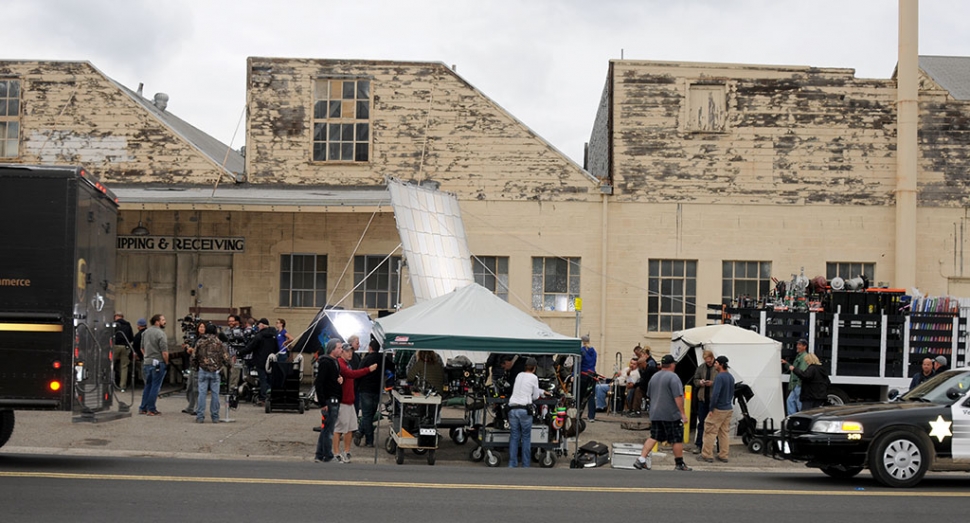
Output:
x=544 y=61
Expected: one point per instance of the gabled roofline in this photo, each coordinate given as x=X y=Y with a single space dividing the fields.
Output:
x=596 y=181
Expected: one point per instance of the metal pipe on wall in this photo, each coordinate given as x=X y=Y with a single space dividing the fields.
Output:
x=907 y=114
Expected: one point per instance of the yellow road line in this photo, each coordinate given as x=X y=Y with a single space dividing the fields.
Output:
x=467 y=486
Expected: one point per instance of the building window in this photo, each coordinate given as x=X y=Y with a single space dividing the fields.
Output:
x=9 y=118
x=492 y=272
x=745 y=278
x=849 y=270
x=706 y=108
x=555 y=284
x=672 y=296
x=379 y=276
x=303 y=280
x=341 y=120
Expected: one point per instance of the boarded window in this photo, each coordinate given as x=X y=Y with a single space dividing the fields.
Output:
x=9 y=118
x=555 y=284
x=706 y=108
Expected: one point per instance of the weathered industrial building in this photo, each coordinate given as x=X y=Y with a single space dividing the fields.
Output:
x=702 y=182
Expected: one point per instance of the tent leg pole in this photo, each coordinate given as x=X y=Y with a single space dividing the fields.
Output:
x=576 y=363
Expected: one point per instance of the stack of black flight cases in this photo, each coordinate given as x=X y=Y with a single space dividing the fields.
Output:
x=592 y=454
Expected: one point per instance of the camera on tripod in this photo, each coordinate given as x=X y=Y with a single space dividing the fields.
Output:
x=190 y=330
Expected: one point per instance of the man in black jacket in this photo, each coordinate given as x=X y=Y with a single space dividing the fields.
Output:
x=329 y=393
x=262 y=345
x=122 y=348
x=369 y=389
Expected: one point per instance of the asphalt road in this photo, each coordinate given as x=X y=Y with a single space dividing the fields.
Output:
x=80 y=488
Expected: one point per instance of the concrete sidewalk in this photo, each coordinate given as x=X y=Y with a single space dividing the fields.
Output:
x=279 y=436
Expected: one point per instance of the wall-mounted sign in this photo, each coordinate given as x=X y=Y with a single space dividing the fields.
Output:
x=209 y=244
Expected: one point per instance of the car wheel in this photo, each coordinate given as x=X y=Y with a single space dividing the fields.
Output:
x=899 y=459
x=840 y=472
x=836 y=396
x=6 y=426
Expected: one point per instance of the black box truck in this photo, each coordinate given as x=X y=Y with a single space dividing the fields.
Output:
x=57 y=252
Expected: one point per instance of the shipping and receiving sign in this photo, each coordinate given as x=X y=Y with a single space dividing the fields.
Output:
x=204 y=244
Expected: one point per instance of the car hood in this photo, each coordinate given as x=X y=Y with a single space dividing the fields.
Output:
x=856 y=409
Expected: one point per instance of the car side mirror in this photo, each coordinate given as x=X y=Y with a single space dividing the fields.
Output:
x=893 y=394
x=954 y=393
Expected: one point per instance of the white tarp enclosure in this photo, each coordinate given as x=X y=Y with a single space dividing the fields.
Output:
x=753 y=359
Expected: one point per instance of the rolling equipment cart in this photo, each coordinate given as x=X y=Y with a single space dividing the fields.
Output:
x=413 y=425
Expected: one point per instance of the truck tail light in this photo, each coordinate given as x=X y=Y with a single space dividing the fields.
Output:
x=54 y=385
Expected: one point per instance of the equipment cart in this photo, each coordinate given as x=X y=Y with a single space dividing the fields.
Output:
x=547 y=437
x=414 y=425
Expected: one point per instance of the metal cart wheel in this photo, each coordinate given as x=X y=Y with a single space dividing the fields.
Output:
x=547 y=459
x=419 y=452
x=431 y=457
x=492 y=459
x=458 y=435
x=269 y=406
x=390 y=445
x=300 y=408
x=756 y=445
x=400 y=456
x=477 y=454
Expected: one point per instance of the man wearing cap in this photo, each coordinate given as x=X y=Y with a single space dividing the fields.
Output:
x=718 y=421
x=261 y=346
x=667 y=416
x=587 y=377
x=939 y=364
x=328 y=385
x=794 y=403
x=524 y=392
x=137 y=354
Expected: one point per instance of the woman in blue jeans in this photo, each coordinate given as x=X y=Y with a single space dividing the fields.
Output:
x=524 y=392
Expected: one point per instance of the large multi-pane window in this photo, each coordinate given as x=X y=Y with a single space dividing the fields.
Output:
x=303 y=280
x=9 y=118
x=745 y=278
x=848 y=270
x=492 y=272
x=379 y=276
x=555 y=284
x=341 y=120
x=672 y=295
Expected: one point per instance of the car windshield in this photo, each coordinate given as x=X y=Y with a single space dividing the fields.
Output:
x=934 y=390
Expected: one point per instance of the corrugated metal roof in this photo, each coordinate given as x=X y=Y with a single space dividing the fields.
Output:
x=250 y=197
x=951 y=72
x=209 y=146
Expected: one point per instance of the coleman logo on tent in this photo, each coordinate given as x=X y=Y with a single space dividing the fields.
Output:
x=401 y=339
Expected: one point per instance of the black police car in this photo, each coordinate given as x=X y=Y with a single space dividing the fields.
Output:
x=898 y=441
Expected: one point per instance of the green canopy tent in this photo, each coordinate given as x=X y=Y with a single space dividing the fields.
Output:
x=473 y=319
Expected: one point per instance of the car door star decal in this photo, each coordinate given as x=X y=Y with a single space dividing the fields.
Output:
x=941 y=428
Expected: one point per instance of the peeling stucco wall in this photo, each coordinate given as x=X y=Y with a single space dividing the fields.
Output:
x=71 y=113
x=426 y=123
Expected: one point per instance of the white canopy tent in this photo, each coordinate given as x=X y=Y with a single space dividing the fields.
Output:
x=753 y=359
